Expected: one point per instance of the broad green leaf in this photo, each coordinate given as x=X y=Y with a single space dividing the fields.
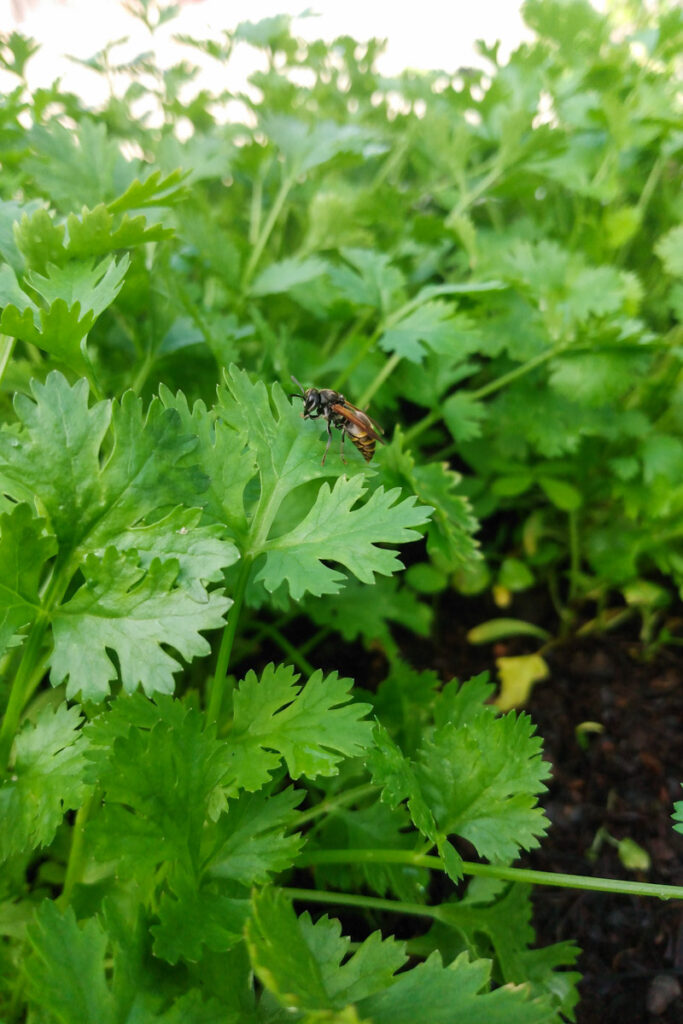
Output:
x=196 y=921
x=669 y=248
x=456 y=994
x=306 y=147
x=482 y=780
x=449 y=535
x=335 y=531
x=91 y=287
x=66 y=971
x=25 y=548
x=430 y=326
x=307 y=966
x=160 y=783
x=371 y=280
x=251 y=843
x=505 y=921
x=463 y=415
x=311 y=727
x=124 y=608
x=286 y=274
x=562 y=494
x=46 y=781
x=57 y=457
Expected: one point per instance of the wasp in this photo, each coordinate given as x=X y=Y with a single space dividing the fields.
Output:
x=361 y=430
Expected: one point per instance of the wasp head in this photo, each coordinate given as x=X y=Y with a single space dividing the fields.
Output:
x=310 y=397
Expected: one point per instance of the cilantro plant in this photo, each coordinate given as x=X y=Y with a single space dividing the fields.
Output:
x=473 y=255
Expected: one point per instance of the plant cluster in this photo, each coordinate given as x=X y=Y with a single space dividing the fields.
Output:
x=493 y=261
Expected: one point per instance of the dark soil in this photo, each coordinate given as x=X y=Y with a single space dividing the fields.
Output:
x=625 y=781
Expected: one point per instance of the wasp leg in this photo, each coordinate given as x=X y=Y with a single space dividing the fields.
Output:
x=341 y=446
x=327 y=446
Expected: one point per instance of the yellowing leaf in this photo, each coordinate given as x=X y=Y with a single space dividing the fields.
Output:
x=517 y=677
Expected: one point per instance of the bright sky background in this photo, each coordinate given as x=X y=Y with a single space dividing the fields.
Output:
x=428 y=34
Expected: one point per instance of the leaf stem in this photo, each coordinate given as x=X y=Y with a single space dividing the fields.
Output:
x=369 y=902
x=218 y=686
x=524 y=875
x=329 y=805
x=376 y=384
x=74 y=867
x=487 y=389
x=19 y=692
x=267 y=228
x=295 y=655
x=6 y=348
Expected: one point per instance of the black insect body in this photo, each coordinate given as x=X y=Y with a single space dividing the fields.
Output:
x=353 y=423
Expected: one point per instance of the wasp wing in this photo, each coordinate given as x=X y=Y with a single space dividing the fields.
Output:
x=361 y=419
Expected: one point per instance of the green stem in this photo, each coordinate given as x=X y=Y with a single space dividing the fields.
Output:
x=289 y=649
x=76 y=861
x=574 y=555
x=369 y=902
x=332 y=803
x=19 y=692
x=6 y=348
x=385 y=372
x=227 y=640
x=267 y=228
x=524 y=875
x=487 y=389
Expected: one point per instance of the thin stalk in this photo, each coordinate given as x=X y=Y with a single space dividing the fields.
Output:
x=487 y=389
x=6 y=348
x=376 y=384
x=76 y=861
x=482 y=185
x=574 y=555
x=295 y=655
x=267 y=228
x=331 y=804
x=524 y=875
x=19 y=692
x=219 y=683
x=368 y=902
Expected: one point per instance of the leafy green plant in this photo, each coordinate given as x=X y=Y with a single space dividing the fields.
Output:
x=183 y=788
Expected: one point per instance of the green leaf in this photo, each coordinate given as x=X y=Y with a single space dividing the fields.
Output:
x=463 y=415
x=123 y=608
x=286 y=274
x=456 y=994
x=47 y=780
x=482 y=780
x=311 y=727
x=669 y=248
x=57 y=457
x=333 y=530
x=505 y=921
x=307 y=966
x=449 y=536
x=373 y=281
x=306 y=147
x=432 y=325
x=367 y=612
x=66 y=971
x=147 y=821
x=562 y=494
x=500 y=629
x=155 y=190
x=92 y=287
x=251 y=844
x=24 y=551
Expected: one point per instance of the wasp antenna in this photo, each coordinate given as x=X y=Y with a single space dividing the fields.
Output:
x=298 y=383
